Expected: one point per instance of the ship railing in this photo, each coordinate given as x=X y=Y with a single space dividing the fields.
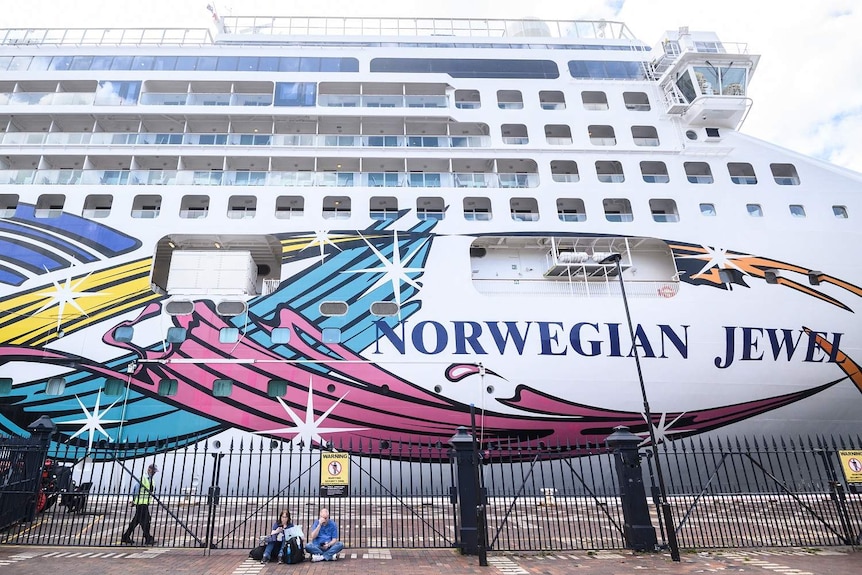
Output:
x=382 y=101
x=428 y=27
x=252 y=139
x=47 y=98
x=269 y=178
x=269 y=286
x=106 y=36
x=576 y=287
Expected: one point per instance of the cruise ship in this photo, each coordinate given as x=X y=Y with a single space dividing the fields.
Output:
x=326 y=230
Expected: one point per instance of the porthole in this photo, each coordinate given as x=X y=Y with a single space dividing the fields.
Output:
x=490 y=389
x=438 y=389
x=330 y=388
x=179 y=307
x=691 y=135
x=384 y=308
x=230 y=308
x=333 y=308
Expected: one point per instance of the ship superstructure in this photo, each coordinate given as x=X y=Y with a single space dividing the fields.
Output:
x=318 y=228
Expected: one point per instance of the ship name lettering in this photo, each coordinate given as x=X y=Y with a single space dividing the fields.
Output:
x=757 y=343
x=554 y=338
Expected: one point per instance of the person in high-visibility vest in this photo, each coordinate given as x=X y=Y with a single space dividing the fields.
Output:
x=141 y=501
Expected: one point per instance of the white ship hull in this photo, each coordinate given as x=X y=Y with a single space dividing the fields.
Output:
x=365 y=289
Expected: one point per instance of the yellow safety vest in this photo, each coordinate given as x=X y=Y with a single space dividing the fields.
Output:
x=144 y=495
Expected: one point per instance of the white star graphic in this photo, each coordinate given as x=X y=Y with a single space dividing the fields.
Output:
x=66 y=294
x=323 y=238
x=394 y=271
x=662 y=430
x=716 y=258
x=93 y=420
x=310 y=430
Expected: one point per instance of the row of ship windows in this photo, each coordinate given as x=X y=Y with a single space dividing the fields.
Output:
x=345 y=172
x=380 y=208
x=454 y=67
x=113 y=387
x=286 y=94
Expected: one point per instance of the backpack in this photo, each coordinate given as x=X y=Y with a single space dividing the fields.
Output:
x=293 y=552
x=257 y=552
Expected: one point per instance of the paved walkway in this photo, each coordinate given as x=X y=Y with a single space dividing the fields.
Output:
x=20 y=560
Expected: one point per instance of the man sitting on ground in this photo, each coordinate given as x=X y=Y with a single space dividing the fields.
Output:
x=323 y=543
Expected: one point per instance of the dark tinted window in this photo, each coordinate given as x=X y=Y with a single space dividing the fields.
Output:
x=165 y=63
x=601 y=69
x=227 y=63
x=460 y=68
x=188 y=63
x=295 y=93
x=268 y=64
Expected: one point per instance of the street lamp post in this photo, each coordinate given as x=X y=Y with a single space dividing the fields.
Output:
x=665 y=506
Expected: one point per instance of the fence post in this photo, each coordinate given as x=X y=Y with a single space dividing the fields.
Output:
x=213 y=496
x=836 y=491
x=638 y=530
x=468 y=496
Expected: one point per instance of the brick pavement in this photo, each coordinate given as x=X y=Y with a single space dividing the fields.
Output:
x=20 y=560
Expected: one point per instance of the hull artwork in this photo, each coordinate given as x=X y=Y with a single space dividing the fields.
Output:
x=346 y=390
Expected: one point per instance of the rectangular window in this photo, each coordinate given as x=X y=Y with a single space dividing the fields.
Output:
x=176 y=334
x=124 y=333
x=5 y=386
x=168 y=387
x=276 y=388
x=222 y=387
x=707 y=209
x=114 y=386
x=331 y=335
x=295 y=94
x=797 y=211
x=280 y=335
x=55 y=386
x=754 y=210
x=228 y=335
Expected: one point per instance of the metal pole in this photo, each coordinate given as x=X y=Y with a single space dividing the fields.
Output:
x=480 y=505
x=665 y=506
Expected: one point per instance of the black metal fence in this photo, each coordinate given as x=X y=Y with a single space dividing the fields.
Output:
x=23 y=492
x=762 y=492
x=534 y=496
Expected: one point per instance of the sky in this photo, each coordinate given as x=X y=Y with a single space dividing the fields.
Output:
x=807 y=89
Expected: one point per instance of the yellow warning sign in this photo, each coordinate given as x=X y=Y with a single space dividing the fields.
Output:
x=334 y=474
x=851 y=465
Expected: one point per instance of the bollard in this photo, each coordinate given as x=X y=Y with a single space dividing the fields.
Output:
x=638 y=530
x=468 y=497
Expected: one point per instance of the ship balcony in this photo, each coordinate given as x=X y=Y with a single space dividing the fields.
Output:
x=204 y=99
x=382 y=101
x=242 y=178
x=717 y=111
x=65 y=139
